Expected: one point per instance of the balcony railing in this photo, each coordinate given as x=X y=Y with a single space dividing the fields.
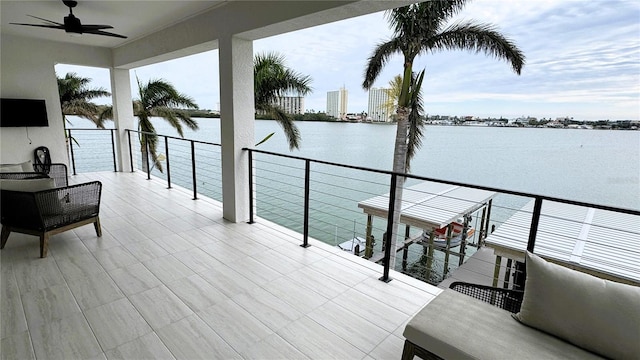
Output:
x=319 y=200
x=326 y=182
x=199 y=159
x=89 y=150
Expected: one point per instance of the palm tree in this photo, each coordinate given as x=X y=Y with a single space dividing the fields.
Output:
x=75 y=95
x=273 y=79
x=393 y=93
x=422 y=28
x=158 y=98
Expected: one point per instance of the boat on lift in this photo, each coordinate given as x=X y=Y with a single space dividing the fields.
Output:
x=440 y=235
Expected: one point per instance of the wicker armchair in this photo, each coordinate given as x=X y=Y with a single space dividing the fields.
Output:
x=49 y=212
x=56 y=171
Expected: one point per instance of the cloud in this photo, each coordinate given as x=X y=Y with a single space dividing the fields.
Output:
x=582 y=60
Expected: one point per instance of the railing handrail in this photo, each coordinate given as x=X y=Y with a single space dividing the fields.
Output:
x=174 y=137
x=456 y=183
x=86 y=129
x=418 y=177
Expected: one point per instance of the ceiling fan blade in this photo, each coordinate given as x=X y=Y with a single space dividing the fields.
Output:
x=100 y=32
x=96 y=27
x=49 y=21
x=42 y=25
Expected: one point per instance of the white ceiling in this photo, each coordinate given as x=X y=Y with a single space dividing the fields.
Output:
x=134 y=19
x=164 y=29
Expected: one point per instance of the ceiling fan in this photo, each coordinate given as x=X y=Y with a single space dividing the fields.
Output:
x=72 y=24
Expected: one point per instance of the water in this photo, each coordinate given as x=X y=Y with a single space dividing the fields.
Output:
x=596 y=166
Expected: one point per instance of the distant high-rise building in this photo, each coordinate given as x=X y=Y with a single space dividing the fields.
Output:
x=337 y=103
x=378 y=98
x=291 y=104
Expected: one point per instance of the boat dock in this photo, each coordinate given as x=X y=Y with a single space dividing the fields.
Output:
x=602 y=243
x=441 y=210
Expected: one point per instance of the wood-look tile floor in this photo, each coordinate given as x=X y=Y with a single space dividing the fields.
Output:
x=170 y=278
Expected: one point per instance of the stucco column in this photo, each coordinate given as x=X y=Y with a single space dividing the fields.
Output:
x=122 y=115
x=236 y=124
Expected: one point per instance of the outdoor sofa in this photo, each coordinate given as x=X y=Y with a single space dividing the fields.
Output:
x=564 y=314
x=41 y=204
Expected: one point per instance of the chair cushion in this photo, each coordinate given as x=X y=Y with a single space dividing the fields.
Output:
x=10 y=168
x=600 y=315
x=29 y=185
x=26 y=166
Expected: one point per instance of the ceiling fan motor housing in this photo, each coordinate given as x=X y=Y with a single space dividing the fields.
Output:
x=72 y=24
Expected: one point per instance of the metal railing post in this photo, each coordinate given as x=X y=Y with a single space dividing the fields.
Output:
x=130 y=152
x=535 y=220
x=307 y=171
x=193 y=169
x=250 y=186
x=73 y=160
x=113 y=150
x=146 y=158
x=387 y=244
x=166 y=151
x=520 y=274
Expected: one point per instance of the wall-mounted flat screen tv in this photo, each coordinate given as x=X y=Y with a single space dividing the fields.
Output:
x=23 y=112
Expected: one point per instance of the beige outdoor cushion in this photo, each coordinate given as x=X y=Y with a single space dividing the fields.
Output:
x=26 y=166
x=13 y=168
x=600 y=315
x=30 y=185
x=457 y=326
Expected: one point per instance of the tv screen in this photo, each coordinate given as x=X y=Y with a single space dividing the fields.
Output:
x=23 y=112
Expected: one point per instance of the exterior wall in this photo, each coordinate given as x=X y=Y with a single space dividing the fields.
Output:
x=291 y=104
x=377 y=99
x=344 y=99
x=332 y=103
x=337 y=103
x=27 y=68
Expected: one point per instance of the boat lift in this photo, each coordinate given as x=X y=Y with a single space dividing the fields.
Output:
x=437 y=208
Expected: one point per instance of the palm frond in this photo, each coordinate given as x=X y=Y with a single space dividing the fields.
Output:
x=378 y=59
x=291 y=131
x=106 y=114
x=478 y=37
x=75 y=95
x=420 y=20
x=169 y=115
x=159 y=98
x=273 y=79
x=416 y=118
x=265 y=139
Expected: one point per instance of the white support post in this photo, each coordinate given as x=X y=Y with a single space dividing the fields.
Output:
x=122 y=115
x=237 y=115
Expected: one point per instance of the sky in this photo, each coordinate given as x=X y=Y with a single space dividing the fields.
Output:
x=582 y=61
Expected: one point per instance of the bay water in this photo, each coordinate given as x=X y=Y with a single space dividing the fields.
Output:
x=595 y=166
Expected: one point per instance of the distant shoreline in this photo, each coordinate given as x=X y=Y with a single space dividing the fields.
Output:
x=610 y=125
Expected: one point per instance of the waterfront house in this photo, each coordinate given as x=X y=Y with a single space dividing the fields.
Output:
x=172 y=277
x=92 y=315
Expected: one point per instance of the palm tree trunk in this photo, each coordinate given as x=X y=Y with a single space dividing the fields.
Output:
x=399 y=166
x=143 y=151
